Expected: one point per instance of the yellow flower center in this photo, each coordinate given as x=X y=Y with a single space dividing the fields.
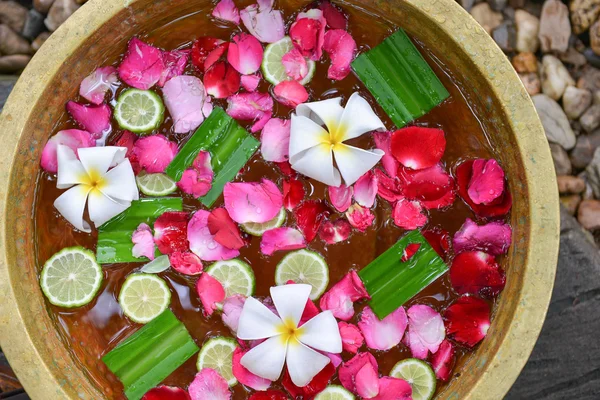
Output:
x=335 y=137
x=289 y=332
x=94 y=180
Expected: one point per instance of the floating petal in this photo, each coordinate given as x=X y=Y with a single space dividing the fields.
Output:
x=94 y=119
x=427 y=184
x=308 y=34
x=335 y=232
x=246 y=377
x=388 y=188
x=232 y=310
x=352 y=339
x=349 y=369
x=365 y=189
x=390 y=164
x=341 y=48
x=245 y=54
x=354 y=162
x=493 y=238
x=315 y=386
x=360 y=218
x=467 y=320
x=290 y=93
x=393 y=389
x=268 y=395
x=341 y=297
x=186 y=263
x=409 y=214
x=202 y=243
x=439 y=239
x=418 y=148
x=250 y=82
x=221 y=80
x=175 y=63
x=498 y=208
x=142 y=66
x=281 y=239
x=304 y=363
x=383 y=334
x=340 y=197
x=263 y=22
x=426 y=327
x=487 y=181
x=209 y=385
x=204 y=47
x=336 y=19
x=211 y=293
x=166 y=393
x=443 y=360
x=295 y=64
x=367 y=382
x=293 y=193
x=251 y=106
x=266 y=360
x=227 y=11
x=275 y=140
x=476 y=272
x=193 y=183
x=170 y=232
x=72 y=138
x=143 y=242
x=154 y=153
x=252 y=201
x=94 y=87
x=224 y=230
x=257 y=321
x=184 y=97
x=309 y=217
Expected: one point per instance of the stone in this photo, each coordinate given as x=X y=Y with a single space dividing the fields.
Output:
x=589 y=79
x=487 y=18
x=593 y=173
x=573 y=57
x=583 y=14
x=595 y=37
x=591 y=57
x=532 y=83
x=576 y=101
x=13 y=15
x=59 y=12
x=555 y=77
x=568 y=184
x=11 y=42
x=498 y=5
x=555 y=122
x=7 y=82
x=517 y=3
x=42 y=6
x=39 y=41
x=555 y=27
x=505 y=36
x=13 y=63
x=562 y=164
x=571 y=203
x=34 y=24
x=525 y=63
x=583 y=152
x=590 y=120
x=528 y=27
x=467 y=4
x=589 y=214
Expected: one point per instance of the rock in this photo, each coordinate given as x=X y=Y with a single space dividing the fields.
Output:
x=590 y=79
x=531 y=82
x=571 y=202
x=576 y=101
x=583 y=14
x=59 y=12
x=555 y=27
x=555 y=77
x=573 y=57
x=591 y=57
x=12 y=43
x=583 y=152
x=34 y=25
x=525 y=63
x=497 y=5
x=467 y=4
x=13 y=14
x=42 y=6
x=528 y=27
x=555 y=122
x=39 y=41
x=590 y=120
x=568 y=184
x=487 y=18
x=576 y=127
x=517 y=3
x=505 y=36
x=593 y=173
x=7 y=82
x=13 y=63
x=589 y=214
x=562 y=164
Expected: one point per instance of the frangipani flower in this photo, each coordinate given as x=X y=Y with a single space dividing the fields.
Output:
x=312 y=147
x=286 y=341
x=102 y=177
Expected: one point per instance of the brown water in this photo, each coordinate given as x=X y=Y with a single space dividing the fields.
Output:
x=91 y=331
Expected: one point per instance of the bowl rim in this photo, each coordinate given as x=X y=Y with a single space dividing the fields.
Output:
x=499 y=373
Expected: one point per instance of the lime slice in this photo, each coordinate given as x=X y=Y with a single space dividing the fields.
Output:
x=272 y=67
x=420 y=376
x=235 y=275
x=256 y=229
x=157 y=185
x=217 y=354
x=334 y=392
x=144 y=297
x=71 y=277
x=304 y=266
x=139 y=111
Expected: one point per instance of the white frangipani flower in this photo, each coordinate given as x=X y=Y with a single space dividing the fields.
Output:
x=101 y=177
x=286 y=342
x=312 y=147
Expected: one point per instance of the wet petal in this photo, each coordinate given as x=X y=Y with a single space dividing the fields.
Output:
x=266 y=360
x=257 y=321
x=360 y=218
x=252 y=201
x=184 y=97
x=119 y=183
x=325 y=112
x=232 y=310
x=290 y=301
x=250 y=82
x=175 y=63
x=427 y=325
x=340 y=197
x=193 y=183
x=227 y=11
x=245 y=54
x=186 y=263
x=295 y=64
x=409 y=214
x=268 y=395
x=281 y=239
x=439 y=239
x=221 y=80
x=94 y=87
x=317 y=163
x=102 y=208
x=467 y=320
x=367 y=382
x=476 y=272
x=94 y=119
x=72 y=138
x=209 y=385
x=70 y=170
x=154 y=153
x=303 y=363
x=365 y=189
x=498 y=208
x=443 y=360
x=390 y=164
x=336 y=19
x=349 y=369
x=71 y=205
x=202 y=243
x=487 y=181
x=204 y=47
x=418 y=148
x=290 y=93
x=315 y=386
x=322 y=333
x=142 y=66
x=211 y=293
x=275 y=140
x=393 y=389
x=341 y=297
x=352 y=339
x=166 y=392
x=170 y=232
x=293 y=193
x=304 y=134
x=308 y=34
x=388 y=188
x=493 y=238
x=354 y=162
x=250 y=107
x=97 y=160
x=427 y=184
x=309 y=217
x=143 y=242
x=246 y=377
x=335 y=232
x=383 y=334
x=224 y=230
x=202 y=164
x=263 y=22
x=341 y=48
x=359 y=118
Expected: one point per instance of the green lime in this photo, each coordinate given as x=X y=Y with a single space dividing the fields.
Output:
x=257 y=229
x=304 y=266
x=155 y=184
x=217 y=354
x=334 y=392
x=144 y=297
x=272 y=67
x=139 y=111
x=71 y=277
x=419 y=375
x=235 y=275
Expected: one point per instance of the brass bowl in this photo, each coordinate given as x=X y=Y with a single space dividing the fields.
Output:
x=27 y=333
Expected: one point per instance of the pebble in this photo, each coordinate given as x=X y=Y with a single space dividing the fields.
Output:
x=590 y=120
x=42 y=6
x=528 y=27
x=59 y=12
x=589 y=79
x=487 y=18
x=13 y=63
x=467 y=4
x=532 y=83
x=571 y=202
x=555 y=122
x=583 y=14
x=39 y=41
x=593 y=173
x=562 y=164
x=573 y=57
x=555 y=77
x=498 y=5
x=13 y=14
x=34 y=24
x=589 y=214
x=576 y=101
x=11 y=42
x=583 y=152
x=568 y=184
x=505 y=36
x=555 y=27
x=525 y=63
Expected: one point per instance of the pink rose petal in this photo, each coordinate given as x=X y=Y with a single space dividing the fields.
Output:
x=389 y=162
x=443 y=360
x=166 y=393
x=142 y=66
x=252 y=202
x=341 y=297
x=246 y=377
x=348 y=370
x=202 y=243
x=94 y=87
x=360 y=217
x=245 y=54
x=281 y=239
x=290 y=93
x=250 y=82
x=295 y=64
x=253 y=106
x=154 y=153
x=73 y=138
x=194 y=184
x=492 y=238
x=227 y=11
x=487 y=181
x=389 y=188
x=426 y=330
x=94 y=119
x=467 y=320
x=263 y=22
x=336 y=359
x=232 y=309
x=409 y=214
x=352 y=339
x=275 y=140
x=184 y=98
x=340 y=197
x=211 y=293
x=186 y=263
x=341 y=48
x=383 y=334
x=393 y=389
x=335 y=232
x=308 y=33
x=202 y=164
x=365 y=189
x=143 y=242
x=175 y=63
x=209 y=385
x=367 y=382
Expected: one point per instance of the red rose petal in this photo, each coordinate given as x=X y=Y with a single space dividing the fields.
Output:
x=211 y=293
x=352 y=339
x=295 y=64
x=166 y=393
x=410 y=251
x=309 y=217
x=409 y=214
x=293 y=193
x=336 y=19
x=388 y=188
x=308 y=33
x=443 y=360
x=426 y=184
x=360 y=217
x=93 y=119
x=170 y=232
x=142 y=65
x=340 y=197
x=227 y=11
x=201 y=48
x=186 y=263
x=445 y=201
x=245 y=53
x=498 y=208
x=268 y=395
x=217 y=54
x=283 y=238
x=487 y=181
x=74 y=138
x=221 y=80
x=467 y=320
x=244 y=376
x=318 y=383
x=335 y=232
x=418 y=148
x=154 y=153
x=476 y=272
x=286 y=168
x=225 y=231
x=439 y=239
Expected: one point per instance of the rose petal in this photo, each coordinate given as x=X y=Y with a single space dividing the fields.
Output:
x=184 y=97
x=221 y=80
x=94 y=87
x=426 y=184
x=340 y=197
x=246 y=377
x=443 y=360
x=202 y=164
x=341 y=297
x=439 y=239
x=360 y=217
x=418 y=148
x=281 y=239
x=175 y=63
x=224 y=230
x=290 y=93
x=365 y=189
x=352 y=339
x=252 y=201
x=263 y=22
x=310 y=310
x=94 y=119
x=308 y=34
x=143 y=242
x=227 y=11
x=295 y=64
x=268 y=395
x=493 y=238
x=205 y=46
x=285 y=168
x=336 y=359
x=245 y=54
x=166 y=393
x=467 y=320
x=251 y=106
x=186 y=263
x=341 y=48
x=193 y=183
x=170 y=232
x=218 y=54
x=335 y=232
x=316 y=385
x=232 y=309
x=445 y=201
x=127 y=140
x=383 y=334
x=410 y=251
x=393 y=389
x=409 y=214
x=275 y=140
x=154 y=153
x=487 y=181
x=250 y=82
x=367 y=382
x=202 y=243
x=498 y=208
x=336 y=19
x=475 y=272
x=293 y=193
x=309 y=217
x=390 y=164
x=142 y=66
x=388 y=188
x=211 y=293
x=73 y=138
x=425 y=326
x=348 y=370
x=209 y=385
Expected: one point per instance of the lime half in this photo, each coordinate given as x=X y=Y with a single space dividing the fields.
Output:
x=139 y=111
x=217 y=353
x=71 y=277
x=334 y=392
x=304 y=266
x=272 y=67
x=144 y=297
x=419 y=375
x=257 y=229
x=155 y=184
x=235 y=275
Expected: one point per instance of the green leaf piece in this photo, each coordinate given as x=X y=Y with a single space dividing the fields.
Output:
x=391 y=282
x=229 y=145
x=400 y=79
x=147 y=357
x=114 y=236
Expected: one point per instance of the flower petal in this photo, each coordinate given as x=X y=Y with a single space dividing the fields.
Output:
x=354 y=162
x=221 y=80
x=225 y=231
x=467 y=320
x=325 y=112
x=305 y=134
x=341 y=48
x=102 y=208
x=295 y=64
x=498 y=208
x=193 y=183
x=418 y=148
x=70 y=170
x=275 y=140
x=359 y=118
x=143 y=242
x=94 y=119
x=72 y=138
x=335 y=232
x=119 y=183
x=166 y=392
x=209 y=385
x=186 y=263
x=308 y=34
x=409 y=214
x=252 y=201
x=290 y=300
x=253 y=106
x=439 y=239
x=340 y=197
x=367 y=382
x=443 y=360
x=206 y=46
x=244 y=376
x=266 y=360
x=211 y=293
x=360 y=217
x=427 y=184
x=317 y=163
x=97 y=160
x=304 y=363
x=290 y=93
x=315 y=386
x=322 y=333
x=281 y=239
x=352 y=339
x=388 y=188
x=393 y=389
x=390 y=164
x=293 y=193
x=245 y=54
x=94 y=87
x=227 y=11
x=365 y=189
x=336 y=19
x=487 y=181
x=175 y=63
x=250 y=82
x=341 y=297
x=428 y=325
x=71 y=205
x=232 y=310
x=263 y=22
x=202 y=243
x=349 y=369
x=184 y=97
x=493 y=238
x=268 y=395
x=142 y=66
x=257 y=321
x=309 y=217
x=383 y=334
x=476 y=272
x=170 y=232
